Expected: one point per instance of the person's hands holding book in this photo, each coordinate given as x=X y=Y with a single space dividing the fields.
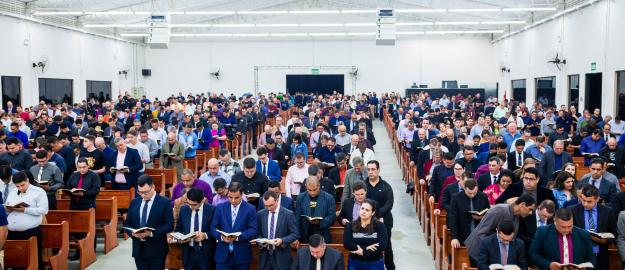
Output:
x=455 y=243
x=477 y=217
x=141 y=235
x=78 y=193
x=228 y=239
x=357 y=251
x=344 y=221
x=199 y=237
x=277 y=242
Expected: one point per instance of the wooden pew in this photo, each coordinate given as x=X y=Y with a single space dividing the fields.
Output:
x=79 y=222
x=56 y=236
x=459 y=256
x=174 y=257
x=159 y=182
x=465 y=266
x=124 y=197
x=439 y=223
x=615 y=258
x=21 y=253
x=190 y=163
x=336 y=234
x=105 y=212
x=446 y=252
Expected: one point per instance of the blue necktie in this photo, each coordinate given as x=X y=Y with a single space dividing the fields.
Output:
x=144 y=214
x=234 y=217
x=264 y=169
x=196 y=225
x=272 y=232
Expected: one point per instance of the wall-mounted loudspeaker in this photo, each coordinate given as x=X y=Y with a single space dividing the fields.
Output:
x=146 y=72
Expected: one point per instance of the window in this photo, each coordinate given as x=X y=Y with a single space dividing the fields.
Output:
x=518 y=90
x=56 y=90
x=574 y=90
x=101 y=90
x=11 y=90
x=546 y=91
x=620 y=90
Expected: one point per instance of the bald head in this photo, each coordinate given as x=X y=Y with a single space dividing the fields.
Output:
x=611 y=143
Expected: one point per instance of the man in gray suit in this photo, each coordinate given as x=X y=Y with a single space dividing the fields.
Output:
x=277 y=224
x=357 y=173
x=325 y=258
x=601 y=179
x=620 y=235
x=522 y=207
x=548 y=164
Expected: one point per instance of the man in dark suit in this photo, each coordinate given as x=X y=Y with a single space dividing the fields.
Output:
x=266 y=166
x=315 y=203
x=87 y=180
x=350 y=207
x=318 y=256
x=204 y=136
x=195 y=216
x=502 y=248
x=543 y=216
x=286 y=148
x=124 y=178
x=529 y=185
x=277 y=224
x=398 y=116
x=234 y=252
x=547 y=250
x=149 y=247
x=553 y=161
x=285 y=202
x=606 y=188
x=459 y=220
x=275 y=153
x=518 y=156
x=493 y=175
x=615 y=157
x=368 y=134
x=591 y=216
x=418 y=142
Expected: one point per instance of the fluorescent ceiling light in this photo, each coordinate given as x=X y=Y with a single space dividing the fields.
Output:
x=314 y=12
x=321 y=24
x=456 y=23
x=351 y=11
x=182 y=35
x=326 y=34
x=176 y=13
x=289 y=34
x=474 y=10
x=44 y=13
x=360 y=24
x=103 y=25
x=210 y=12
x=443 y=32
x=430 y=10
x=251 y=35
x=188 y=25
x=361 y=34
x=502 y=22
x=213 y=35
x=483 y=32
x=134 y=35
x=233 y=25
x=410 y=33
x=414 y=23
x=109 y=12
x=255 y=12
x=136 y=25
x=529 y=9
x=277 y=25
x=142 y=13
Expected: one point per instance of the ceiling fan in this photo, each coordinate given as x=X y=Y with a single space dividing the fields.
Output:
x=216 y=74
x=354 y=73
x=557 y=61
x=43 y=63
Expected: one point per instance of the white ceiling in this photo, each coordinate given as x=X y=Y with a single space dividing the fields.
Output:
x=257 y=5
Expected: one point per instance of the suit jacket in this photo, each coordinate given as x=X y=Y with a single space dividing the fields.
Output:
x=488 y=226
x=285 y=202
x=90 y=183
x=490 y=253
x=278 y=156
x=516 y=190
x=347 y=207
x=368 y=135
x=351 y=176
x=286 y=149
x=545 y=247
x=606 y=222
x=204 y=139
x=184 y=227
x=160 y=218
x=273 y=170
x=485 y=180
x=286 y=229
x=332 y=260
x=326 y=208
x=546 y=165
x=512 y=157
x=245 y=223
x=620 y=237
x=347 y=149
x=619 y=169
x=458 y=216
x=448 y=192
x=132 y=161
x=606 y=188
x=422 y=158
x=178 y=151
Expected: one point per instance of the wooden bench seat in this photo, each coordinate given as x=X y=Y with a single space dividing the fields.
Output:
x=21 y=253
x=79 y=222
x=106 y=215
x=56 y=236
x=124 y=197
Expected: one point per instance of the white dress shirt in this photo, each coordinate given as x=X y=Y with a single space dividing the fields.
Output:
x=3 y=187
x=119 y=176
x=150 y=202
x=366 y=156
x=275 y=222
x=32 y=216
x=199 y=212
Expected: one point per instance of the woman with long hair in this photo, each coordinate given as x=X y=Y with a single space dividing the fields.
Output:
x=570 y=168
x=564 y=188
x=495 y=190
x=366 y=239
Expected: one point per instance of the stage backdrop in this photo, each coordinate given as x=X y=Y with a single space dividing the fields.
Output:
x=317 y=83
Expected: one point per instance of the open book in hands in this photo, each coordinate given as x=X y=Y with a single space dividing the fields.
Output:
x=478 y=213
x=312 y=218
x=604 y=235
x=578 y=266
x=122 y=168
x=183 y=237
x=501 y=267
x=73 y=190
x=140 y=230
x=233 y=234
x=252 y=195
x=17 y=205
x=264 y=241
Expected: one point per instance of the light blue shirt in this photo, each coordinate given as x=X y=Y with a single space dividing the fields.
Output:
x=189 y=142
x=535 y=152
x=501 y=244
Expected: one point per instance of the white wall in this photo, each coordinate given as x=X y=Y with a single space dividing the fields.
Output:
x=593 y=34
x=186 y=65
x=73 y=55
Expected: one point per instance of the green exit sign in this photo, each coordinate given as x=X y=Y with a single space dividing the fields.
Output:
x=315 y=70
x=593 y=66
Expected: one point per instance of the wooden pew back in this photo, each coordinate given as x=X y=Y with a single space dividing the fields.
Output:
x=21 y=253
x=79 y=222
x=56 y=236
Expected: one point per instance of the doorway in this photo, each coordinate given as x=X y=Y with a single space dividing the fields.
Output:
x=593 y=91
x=518 y=90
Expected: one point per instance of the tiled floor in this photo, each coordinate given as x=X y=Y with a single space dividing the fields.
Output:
x=409 y=247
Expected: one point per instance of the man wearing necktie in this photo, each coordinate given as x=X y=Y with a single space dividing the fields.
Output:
x=238 y=216
x=197 y=252
x=595 y=217
x=277 y=224
x=318 y=256
x=502 y=248
x=47 y=176
x=516 y=157
x=561 y=243
x=149 y=247
x=269 y=168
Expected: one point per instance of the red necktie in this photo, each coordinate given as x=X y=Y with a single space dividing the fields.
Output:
x=79 y=185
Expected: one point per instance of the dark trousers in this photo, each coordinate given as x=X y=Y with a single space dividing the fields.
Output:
x=196 y=260
x=271 y=263
x=143 y=263
x=388 y=253
x=231 y=264
x=25 y=235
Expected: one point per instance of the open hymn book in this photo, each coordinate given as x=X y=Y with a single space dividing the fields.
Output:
x=233 y=234
x=478 y=213
x=182 y=237
x=501 y=267
x=578 y=266
x=312 y=218
x=140 y=230
x=605 y=235
x=17 y=205
x=264 y=241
